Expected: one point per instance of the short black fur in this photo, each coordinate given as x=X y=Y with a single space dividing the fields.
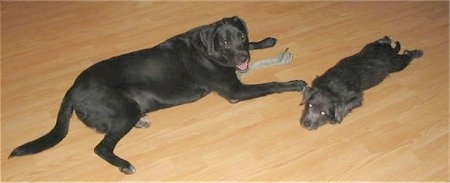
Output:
x=340 y=89
x=112 y=95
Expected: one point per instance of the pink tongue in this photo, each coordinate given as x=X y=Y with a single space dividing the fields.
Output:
x=243 y=66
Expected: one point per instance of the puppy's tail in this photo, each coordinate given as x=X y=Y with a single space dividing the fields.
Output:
x=54 y=136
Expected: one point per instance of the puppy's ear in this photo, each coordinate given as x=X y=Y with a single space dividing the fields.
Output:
x=307 y=93
x=339 y=112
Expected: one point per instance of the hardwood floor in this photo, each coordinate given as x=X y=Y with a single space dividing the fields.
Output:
x=400 y=133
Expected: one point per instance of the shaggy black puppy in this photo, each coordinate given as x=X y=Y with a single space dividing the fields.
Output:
x=340 y=89
x=111 y=96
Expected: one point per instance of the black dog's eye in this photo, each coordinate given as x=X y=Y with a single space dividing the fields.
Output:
x=226 y=44
x=243 y=38
x=323 y=113
x=310 y=105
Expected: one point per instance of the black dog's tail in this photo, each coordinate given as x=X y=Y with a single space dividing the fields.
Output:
x=51 y=138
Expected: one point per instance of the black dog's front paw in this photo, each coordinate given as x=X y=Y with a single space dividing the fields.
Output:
x=269 y=42
x=265 y=43
x=299 y=85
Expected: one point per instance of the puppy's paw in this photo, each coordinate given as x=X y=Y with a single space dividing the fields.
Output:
x=414 y=53
x=385 y=40
x=335 y=122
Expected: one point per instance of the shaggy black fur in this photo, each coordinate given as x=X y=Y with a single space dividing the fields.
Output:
x=340 y=89
x=111 y=96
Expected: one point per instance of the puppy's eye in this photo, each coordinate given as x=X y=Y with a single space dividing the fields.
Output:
x=310 y=105
x=323 y=113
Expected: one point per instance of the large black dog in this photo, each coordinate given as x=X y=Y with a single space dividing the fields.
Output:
x=111 y=96
x=340 y=89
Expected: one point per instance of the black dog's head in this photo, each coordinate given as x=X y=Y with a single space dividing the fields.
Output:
x=226 y=43
x=320 y=109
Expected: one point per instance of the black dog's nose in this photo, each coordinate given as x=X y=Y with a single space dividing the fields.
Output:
x=242 y=58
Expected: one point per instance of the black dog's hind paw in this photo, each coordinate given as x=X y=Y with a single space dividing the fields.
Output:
x=142 y=123
x=413 y=53
x=128 y=170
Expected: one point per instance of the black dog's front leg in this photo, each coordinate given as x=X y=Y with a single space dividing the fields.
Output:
x=245 y=92
x=265 y=43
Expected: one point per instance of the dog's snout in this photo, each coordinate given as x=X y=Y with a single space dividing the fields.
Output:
x=242 y=58
x=306 y=124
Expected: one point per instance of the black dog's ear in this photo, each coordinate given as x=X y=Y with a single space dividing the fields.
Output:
x=242 y=22
x=207 y=36
x=307 y=93
x=339 y=112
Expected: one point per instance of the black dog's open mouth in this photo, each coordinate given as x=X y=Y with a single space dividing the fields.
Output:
x=244 y=66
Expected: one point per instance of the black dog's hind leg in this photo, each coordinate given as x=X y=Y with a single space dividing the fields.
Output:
x=106 y=147
x=401 y=61
x=265 y=43
x=121 y=118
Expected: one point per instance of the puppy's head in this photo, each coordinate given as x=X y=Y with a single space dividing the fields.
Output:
x=226 y=42
x=319 y=110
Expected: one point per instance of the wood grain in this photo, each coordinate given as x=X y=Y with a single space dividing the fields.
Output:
x=400 y=133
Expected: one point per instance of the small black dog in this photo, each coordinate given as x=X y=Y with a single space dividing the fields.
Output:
x=340 y=89
x=111 y=96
